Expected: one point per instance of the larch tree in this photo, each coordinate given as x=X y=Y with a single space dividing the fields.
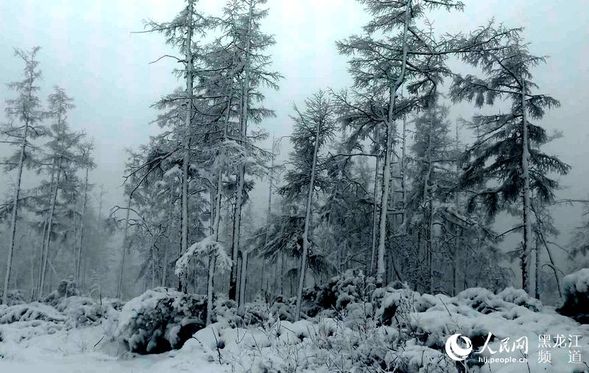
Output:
x=395 y=52
x=314 y=126
x=182 y=33
x=64 y=159
x=25 y=115
x=87 y=163
x=431 y=183
x=250 y=51
x=508 y=148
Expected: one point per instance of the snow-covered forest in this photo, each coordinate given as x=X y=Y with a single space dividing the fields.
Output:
x=386 y=231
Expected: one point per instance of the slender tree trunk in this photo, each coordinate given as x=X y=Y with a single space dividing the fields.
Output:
x=242 y=281
x=303 y=267
x=526 y=193
x=537 y=270
x=210 y=286
x=170 y=229
x=81 y=235
x=243 y=117
x=553 y=265
x=124 y=251
x=388 y=154
x=428 y=200
x=375 y=213
x=47 y=242
x=403 y=173
x=187 y=131
x=42 y=246
x=15 y=206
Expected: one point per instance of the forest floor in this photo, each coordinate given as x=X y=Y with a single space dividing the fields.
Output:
x=414 y=340
x=86 y=350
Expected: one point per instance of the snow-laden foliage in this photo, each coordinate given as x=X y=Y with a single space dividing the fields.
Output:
x=390 y=329
x=202 y=250
x=255 y=313
x=81 y=310
x=160 y=320
x=576 y=294
x=66 y=288
x=484 y=301
x=29 y=312
x=15 y=297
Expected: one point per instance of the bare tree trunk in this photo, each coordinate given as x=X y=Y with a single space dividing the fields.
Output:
x=375 y=213
x=124 y=251
x=47 y=242
x=170 y=229
x=15 y=205
x=388 y=155
x=428 y=200
x=210 y=285
x=242 y=281
x=243 y=117
x=303 y=267
x=187 y=133
x=403 y=172
x=526 y=193
x=81 y=235
x=537 y=270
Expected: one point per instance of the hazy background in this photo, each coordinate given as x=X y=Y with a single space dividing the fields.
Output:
x=89 y=49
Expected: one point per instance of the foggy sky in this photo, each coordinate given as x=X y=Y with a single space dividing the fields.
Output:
x=89 y=49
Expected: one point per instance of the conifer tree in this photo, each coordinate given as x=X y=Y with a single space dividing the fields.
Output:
x=508 y=148
x=25 y=114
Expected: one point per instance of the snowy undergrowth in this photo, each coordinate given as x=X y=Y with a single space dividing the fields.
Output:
x=67 y=338
x=391 y=330
x=349 y=327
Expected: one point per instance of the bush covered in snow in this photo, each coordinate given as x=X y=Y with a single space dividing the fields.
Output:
x=81 y=310
x=576 y=294
x=66 y=288
x=160 y=320
x=29 y=312
x=352 y=326
x=255 y=313
x=340 y=291
x=15 y=297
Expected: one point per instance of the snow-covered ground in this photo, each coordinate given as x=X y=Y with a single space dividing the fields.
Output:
x=86 y=350
x=398 y=329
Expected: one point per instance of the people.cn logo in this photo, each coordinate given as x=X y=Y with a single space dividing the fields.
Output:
x=455 y=350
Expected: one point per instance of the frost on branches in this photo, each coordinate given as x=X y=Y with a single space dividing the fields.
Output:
x=202 y=251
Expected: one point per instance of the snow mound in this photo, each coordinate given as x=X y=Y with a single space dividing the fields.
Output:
x=66 y=288
x=29 y=312
x=15 y=297
x=576 y=294
x=81 y=310
x=160 y=320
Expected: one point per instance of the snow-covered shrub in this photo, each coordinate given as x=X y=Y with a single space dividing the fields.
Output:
x=520 y=298
x=160 y=320
x=226 y=311
x=576 y=296
x=480 y=299
x=29 y=312
x=66 y=288
x=350 y=287
x=283 y=309
x=15 y=297
x=81 y=310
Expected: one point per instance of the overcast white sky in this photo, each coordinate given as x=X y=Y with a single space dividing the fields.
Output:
x=88 y=48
